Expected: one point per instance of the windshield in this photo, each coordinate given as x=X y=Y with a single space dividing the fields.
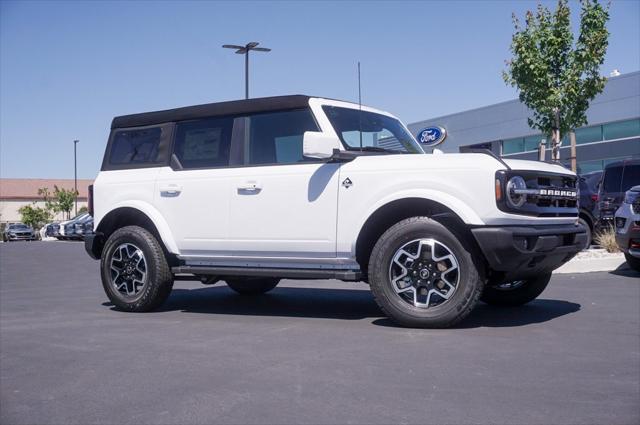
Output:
x=379 y=132
x=18 y=227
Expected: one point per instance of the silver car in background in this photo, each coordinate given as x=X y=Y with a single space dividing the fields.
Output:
x=627 y=220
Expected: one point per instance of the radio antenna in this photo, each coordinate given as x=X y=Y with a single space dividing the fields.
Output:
x=359 y=107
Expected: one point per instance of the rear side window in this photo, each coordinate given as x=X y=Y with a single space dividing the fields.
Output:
x=612 y=179
x=631 y=177
x=203 y=143
x=276 y=138
x=135 y=146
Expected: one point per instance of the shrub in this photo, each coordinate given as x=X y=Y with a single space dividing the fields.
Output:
x=606 y=238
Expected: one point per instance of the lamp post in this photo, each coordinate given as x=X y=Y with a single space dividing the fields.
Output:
x=244 y=50
x=75 y=173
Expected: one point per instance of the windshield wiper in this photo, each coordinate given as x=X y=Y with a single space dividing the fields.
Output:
x=376 y=149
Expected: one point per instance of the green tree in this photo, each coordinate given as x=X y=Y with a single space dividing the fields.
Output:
x=557 y=78
x=34 y=216
x=64 y=200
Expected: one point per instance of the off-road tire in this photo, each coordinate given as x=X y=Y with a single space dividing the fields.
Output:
x=160 y=280
x=252 y=285
x=633 y=262
x=528 y=291
x=588 y=231
x=452 y=311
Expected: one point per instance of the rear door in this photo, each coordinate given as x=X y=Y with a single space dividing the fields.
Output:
x=193 y=193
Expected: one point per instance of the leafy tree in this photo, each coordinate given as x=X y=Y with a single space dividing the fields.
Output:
x=83 y=210
x=556 y=77
x=34 y=216
x=64 y=200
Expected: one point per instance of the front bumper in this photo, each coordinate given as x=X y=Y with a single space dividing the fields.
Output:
x=29 y=237
x=514 y=252
x=628 y=231
x=93 y=243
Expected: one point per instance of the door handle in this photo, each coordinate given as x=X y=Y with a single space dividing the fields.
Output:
x=170 y=191
x=250 y=187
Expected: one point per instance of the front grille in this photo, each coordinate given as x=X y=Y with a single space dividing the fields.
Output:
x=557 y=195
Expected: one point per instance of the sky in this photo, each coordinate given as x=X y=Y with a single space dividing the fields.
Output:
x=67 y=68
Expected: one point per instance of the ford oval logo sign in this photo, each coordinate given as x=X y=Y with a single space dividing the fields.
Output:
x=432 y=136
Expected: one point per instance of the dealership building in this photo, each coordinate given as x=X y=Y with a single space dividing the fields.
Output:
x=612 y=132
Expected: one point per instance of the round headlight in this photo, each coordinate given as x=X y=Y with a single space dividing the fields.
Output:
x=514 y=199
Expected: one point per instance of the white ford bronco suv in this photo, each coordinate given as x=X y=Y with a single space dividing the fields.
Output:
x=299 y=187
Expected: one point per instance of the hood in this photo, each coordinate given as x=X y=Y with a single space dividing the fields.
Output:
x=523 y=164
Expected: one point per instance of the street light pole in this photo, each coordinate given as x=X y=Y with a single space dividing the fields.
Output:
x=244 y=50
x=75 y=173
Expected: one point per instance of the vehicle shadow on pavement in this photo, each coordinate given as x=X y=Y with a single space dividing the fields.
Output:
x=537 y=311
x=347 y=304
x=623 y=270
x=323 y=303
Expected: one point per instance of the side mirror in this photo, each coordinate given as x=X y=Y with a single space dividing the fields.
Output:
x=317 y=145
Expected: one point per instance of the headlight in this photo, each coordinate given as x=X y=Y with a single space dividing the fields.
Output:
x=516 y=184
x=631 y=197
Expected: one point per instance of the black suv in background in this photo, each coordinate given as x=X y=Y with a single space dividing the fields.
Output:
x=589 y=183
x=617 y=178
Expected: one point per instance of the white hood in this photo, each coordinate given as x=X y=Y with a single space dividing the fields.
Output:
x=522 y=164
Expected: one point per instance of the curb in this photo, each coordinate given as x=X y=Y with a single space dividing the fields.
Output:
x=587 y=265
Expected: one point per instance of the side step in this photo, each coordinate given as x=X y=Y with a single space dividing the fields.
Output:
x=348 y=275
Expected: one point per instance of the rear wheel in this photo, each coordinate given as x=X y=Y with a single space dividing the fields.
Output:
x=135 y=273
x=516 y=293
x=252 y=285
x=422 y=276
x=633 y=262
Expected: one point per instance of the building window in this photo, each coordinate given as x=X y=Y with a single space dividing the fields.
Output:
x=588 y=134
x=621 y=129
x=531 y=143
x=512 y=146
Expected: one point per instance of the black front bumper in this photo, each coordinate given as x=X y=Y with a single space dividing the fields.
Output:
x=514 y=252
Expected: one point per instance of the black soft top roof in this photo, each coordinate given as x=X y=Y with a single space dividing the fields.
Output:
x=234 y=107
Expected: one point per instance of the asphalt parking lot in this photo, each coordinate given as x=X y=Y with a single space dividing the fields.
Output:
x=309 y=352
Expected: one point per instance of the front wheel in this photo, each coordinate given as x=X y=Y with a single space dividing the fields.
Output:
x=516 y=293
x=633 y=262
x=587 y=228
x=422 y=276
x=252 y=286
x=135 y=273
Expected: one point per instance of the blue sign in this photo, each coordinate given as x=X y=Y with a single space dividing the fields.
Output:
x=432 y=136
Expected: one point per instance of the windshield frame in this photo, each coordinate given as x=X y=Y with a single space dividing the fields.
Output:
x=325 y=107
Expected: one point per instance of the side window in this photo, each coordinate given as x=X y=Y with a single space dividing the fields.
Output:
x=135 y=146
x=276 y=138
x=203 y=143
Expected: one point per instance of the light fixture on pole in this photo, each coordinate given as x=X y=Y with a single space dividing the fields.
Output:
x=75 y=173
x=244 y=50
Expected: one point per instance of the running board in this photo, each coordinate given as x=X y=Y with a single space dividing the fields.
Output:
x=347 y=275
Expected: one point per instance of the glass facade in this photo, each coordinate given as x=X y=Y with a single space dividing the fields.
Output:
x=591 y=134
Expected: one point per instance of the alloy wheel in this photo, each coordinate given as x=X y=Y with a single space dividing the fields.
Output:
x=128 y=270
x=424 y=273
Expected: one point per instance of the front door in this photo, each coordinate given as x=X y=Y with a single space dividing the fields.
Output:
x=282 y=206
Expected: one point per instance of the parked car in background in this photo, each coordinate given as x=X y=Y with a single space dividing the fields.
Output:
x=49 y=230
x=18 y=232
x=589 y=184
x=67 y=228
x=627 y=219
x=83 y=227
x=617 y=178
